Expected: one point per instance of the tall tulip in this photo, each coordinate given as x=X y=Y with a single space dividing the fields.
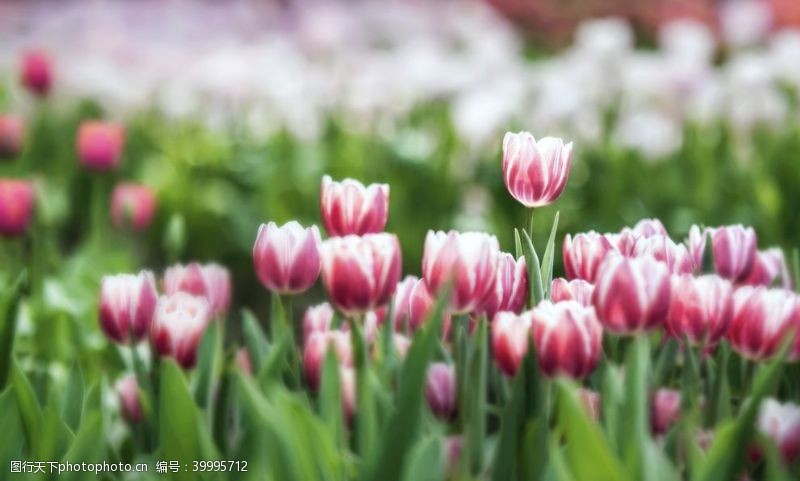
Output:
x=361 y=273
x=701 y=309
x=574 y=290
x=631 y=295
x=584 y=253
x=12 y=132
x=734 y=249
x=16 y=206
x=467 y=261
x=132 y=205
x=127 y=306
x=100 y=145
x=350 y=208
x=211 y=281
x=510 y=287
x=440 y=390
x=287 y=258
x=36 y=73
x=761 y=319
x=781 y=423
x=535 y=173
x=568 y=338
x=178 y=325
x=510 y=337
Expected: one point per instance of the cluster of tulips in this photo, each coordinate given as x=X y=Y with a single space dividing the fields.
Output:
x=626 y=284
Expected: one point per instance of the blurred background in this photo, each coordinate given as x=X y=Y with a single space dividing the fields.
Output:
x=684 y=110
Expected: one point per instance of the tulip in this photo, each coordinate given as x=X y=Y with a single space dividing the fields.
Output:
x=37 y=72
x=696 y=244
x=768 y=266
x=317 y=319
x=510 y=287
x=650 y=227
x=420 y=307
x=584 y=253
x=665 y=410
x=468 y=261
x=401 y=345
x=100 y=145
x=287 y=258
x=350 y=208
x=734 y=249
x=591 y=403
x=535 y=173
x=781 y=423
x=127 y=306
x=568 y=337
x=16 y=206
x=625 y=241
x=243 y=361
x=178 y=325
x=400 y=304
x=440 y=390
x=315 y=349
x=347 y=385
x=453 y=445
x=662 y=248
x=361 y=273
x=12 y=132
x=631 y=295
x=510 y=333
x=211 y=281
x=128 y=393
x=132 y=205
x=701 y=309
x=761 y=319
x=574 y=290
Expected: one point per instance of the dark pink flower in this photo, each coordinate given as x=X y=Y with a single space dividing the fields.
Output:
x=701 y=309
x=16 y=206
x=287 y=258
x=510 y=287
x=665 y=410
x=675 y=256
x=350 y=208
x=440 y=390
x=400 y=304
x=734 y=249
x=649 y=227
x=12 y=133
x=127 y=306
x=584 y=253
x=781 y=423
x=769 y=266
x=316 y=347
x=128 y=394
x=574 y=290
x=211 y=281
x=761 y=319
x=132 y=205
x=37 y=72
x=696 y=244
x=568 y=338
x=317 y=319
x=178 y=326
x=510 y=337
x=100 y=145
x=535 y=173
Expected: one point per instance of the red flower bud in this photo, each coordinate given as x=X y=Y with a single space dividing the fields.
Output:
x=510 y=333
x=127 y=306
x=440 y=390
x=178 y=326
x=37 y=72
x=100 y=145
x=701 y=309
x=132 y=205
x=12 y=133
x=16 y=206
x=350 y=208
x=584 y=253
x=535 y=173
x=568 y=338
x=665 y=410
x=287 y=258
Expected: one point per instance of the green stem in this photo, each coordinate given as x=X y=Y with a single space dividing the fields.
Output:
x=99 y=201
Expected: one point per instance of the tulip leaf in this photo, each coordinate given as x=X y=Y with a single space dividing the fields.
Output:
x=534 y=270
x=255 y=340
x=29 y=408
x=517 y=244
x=209 y=353
x=665 y=362
x=547 y=259
x=636 y=408
x=88 y=446
x=720 y=396
x=796 y=268
x=425 y=461
x=612 y=395
x=476 y=404
x=275 y=361
x=330 y=397
x=9 y=306
x=513 y=412
x=366 y=422
x=13 y=438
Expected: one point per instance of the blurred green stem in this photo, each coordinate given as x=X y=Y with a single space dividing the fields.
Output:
x=99 y=201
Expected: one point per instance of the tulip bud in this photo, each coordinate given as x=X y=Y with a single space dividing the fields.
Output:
x=127 y=306
x=400 y=303
x=535 y=173
x=761 y=319
x=701 y=309
x=314 y=353
x=781 y=423
x=401 y=345
x=584 y=253
x=631 y=295
x=360 y=273
x=178 y=326
x=510 y=287
x=350 y=208
x=317 y=319
x=696 y=244
x=665 y=410
x=16 y=206
x=452 y=449
x=211 y=281
x=243 y=361
x=12 y=132
x=420 y=307
x=467 y=261
x=132 y=205
x=675 y=256
x=734 y=249
x=650 y=227
x=37 y=72
x=287 y=258
x=128 y=393
x=591 y=403
x=440 y=390
x=768 y=266
x=568 y=338
x=510 y=333
x=100 y=145
x=574 y=290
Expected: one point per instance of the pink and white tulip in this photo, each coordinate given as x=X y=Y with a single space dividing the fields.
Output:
x=535 y=173
x=127 y=390
x=17 y=200
x=440 y=390
x=701 y=309
x=36 y=73
x=178 y=326
x=734 y=249
x=100 y=145
x=317 y=319
x=401 y=301
x=350 y=208
x=675 y=256
x=574 y=290
x=664 y=410
x=12 y=133
x=510 y=337
x=568 y=338
x=132 y=205
x=211 y=281
x=781 y=423
x=761 y=319
x=510 y=287
x=769 y=266
x=317 y=346
x=584 y=253
x=287 y=258
x=696 y=244
x=127 y=306
x=650 y=227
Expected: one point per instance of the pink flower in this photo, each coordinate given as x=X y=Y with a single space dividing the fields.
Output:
x=287 y=258
x=665 y=410
x=650 y=227
x=761 y=319
x=12 y=133
x=317 y=319
x=400 y=304
x=243 y=361
x=347 y=386
x=510 y=334
x=440 y=390
x=568 y=338
x=128 y=394
x=37 y=72
x=768 y=266
x=701 y=309
x=584 y=253
x=317 y=346
x=127 y=306
x=420 y=307
x=467 y=260
x=631 y=295
x=360 y=273
x=734 y=249
x=16 y=206
x=696 y=244
x=662 y=248
x=625 y=241
x=574 y=290
x=350 y=208
x=100 y=145
x=591 y=402
x=781 y=423
x=211 y=281
x=132 y=205
x=178 y=326
x=535 y=173
x=510 y=287
x=452 y=450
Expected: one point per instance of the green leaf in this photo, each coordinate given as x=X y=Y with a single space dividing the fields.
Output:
x=636 y=420
x=73 y=397
x=476 y=405
x=13 y=438
x=425 y=461
x=29 y=408
x=517 y=244
x=547 y=259
x=665 y=362
x=254 y=339
x=275 y=361
x=534 y=270
x=330 y=398
x=366 y=422
x=209 y=353
x=89 y=446
x=720 y=396
x=796 y=268
x=9 y=306
x=506 y=454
